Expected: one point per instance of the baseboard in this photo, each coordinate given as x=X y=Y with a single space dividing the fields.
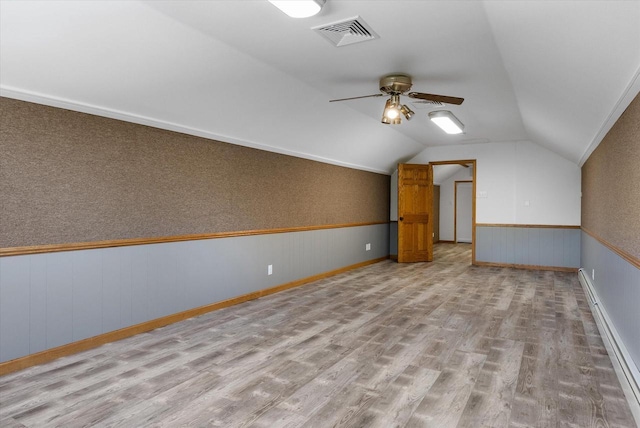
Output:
x=623 y=365
x=112 y=336
x=528 y=267
x=445 y=242
x=393 y=257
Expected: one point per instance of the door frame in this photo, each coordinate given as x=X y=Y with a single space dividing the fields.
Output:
x=473 y=163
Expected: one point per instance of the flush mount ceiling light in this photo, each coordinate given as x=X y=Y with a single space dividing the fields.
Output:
x=447 y=121
x=299 y=8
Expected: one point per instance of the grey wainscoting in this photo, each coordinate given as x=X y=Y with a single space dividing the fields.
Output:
x=393 y=238
x=617 y=285
x=52 y=299
x=530 y=246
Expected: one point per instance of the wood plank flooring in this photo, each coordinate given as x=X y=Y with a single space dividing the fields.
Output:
x=442 y=344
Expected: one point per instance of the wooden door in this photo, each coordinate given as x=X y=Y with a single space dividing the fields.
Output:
x=415 y=206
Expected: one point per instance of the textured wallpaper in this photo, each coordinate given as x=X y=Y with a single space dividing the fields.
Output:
x=68 y=177
x=611 y=184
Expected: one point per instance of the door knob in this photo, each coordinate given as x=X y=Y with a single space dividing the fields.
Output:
x=401 y=218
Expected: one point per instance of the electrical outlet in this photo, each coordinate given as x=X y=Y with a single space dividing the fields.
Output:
x=367 y=247
x=270 y=270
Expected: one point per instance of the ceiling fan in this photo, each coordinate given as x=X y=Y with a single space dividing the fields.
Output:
x=395 y=85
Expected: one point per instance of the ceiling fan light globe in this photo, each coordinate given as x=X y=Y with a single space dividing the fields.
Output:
x=391 y=109
x=391 y=113
x=407 y=112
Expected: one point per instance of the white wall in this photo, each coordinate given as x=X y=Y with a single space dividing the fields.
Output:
x=513 y=173
x=550 y=184
x=464 y=213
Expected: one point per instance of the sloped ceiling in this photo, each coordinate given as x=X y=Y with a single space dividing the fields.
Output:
x=555 y=73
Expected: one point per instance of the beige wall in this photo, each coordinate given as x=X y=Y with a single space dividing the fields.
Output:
x=70 y=177
x=611 y=185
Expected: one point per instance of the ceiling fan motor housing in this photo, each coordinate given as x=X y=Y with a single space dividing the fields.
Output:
x=395 y=84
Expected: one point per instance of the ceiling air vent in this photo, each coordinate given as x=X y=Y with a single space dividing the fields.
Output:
x=347 y=32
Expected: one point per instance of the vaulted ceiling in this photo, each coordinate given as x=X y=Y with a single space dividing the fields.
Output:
x=557 y=73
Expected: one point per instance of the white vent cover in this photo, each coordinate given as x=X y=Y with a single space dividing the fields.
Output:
x=347 y=32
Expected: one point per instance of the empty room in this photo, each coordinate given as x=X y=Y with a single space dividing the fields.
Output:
x=319 y=213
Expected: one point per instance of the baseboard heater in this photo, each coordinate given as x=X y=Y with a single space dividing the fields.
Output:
x=624 y=366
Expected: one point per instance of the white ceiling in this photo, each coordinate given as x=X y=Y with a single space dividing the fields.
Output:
x=444 y=172
x=557 y=73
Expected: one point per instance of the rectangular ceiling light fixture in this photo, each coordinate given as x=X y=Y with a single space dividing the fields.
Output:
x=299 y=8
x=447 y=121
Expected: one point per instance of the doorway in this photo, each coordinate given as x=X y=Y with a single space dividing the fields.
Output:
x=421 y=233
x=457 y=216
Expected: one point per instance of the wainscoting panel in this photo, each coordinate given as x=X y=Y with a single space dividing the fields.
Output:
x=59 y=304
x=393 y=238
x=52 y=299
x=617 y=284
x=554 y=247
x=14 y=305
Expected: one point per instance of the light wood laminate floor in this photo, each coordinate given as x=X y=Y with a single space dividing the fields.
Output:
x=442 y=344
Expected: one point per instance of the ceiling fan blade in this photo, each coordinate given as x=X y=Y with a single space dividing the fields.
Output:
x=356 y=98
x=433 y=97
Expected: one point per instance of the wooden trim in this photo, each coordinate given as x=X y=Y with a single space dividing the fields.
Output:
x=529 y=226
x=473 y=207
x=393 y=257
x=455 y=212
x=112 y=336
x=445 y=242
x=463 y=162
x=528 y=267
x=626 y=256
x=54 y=248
